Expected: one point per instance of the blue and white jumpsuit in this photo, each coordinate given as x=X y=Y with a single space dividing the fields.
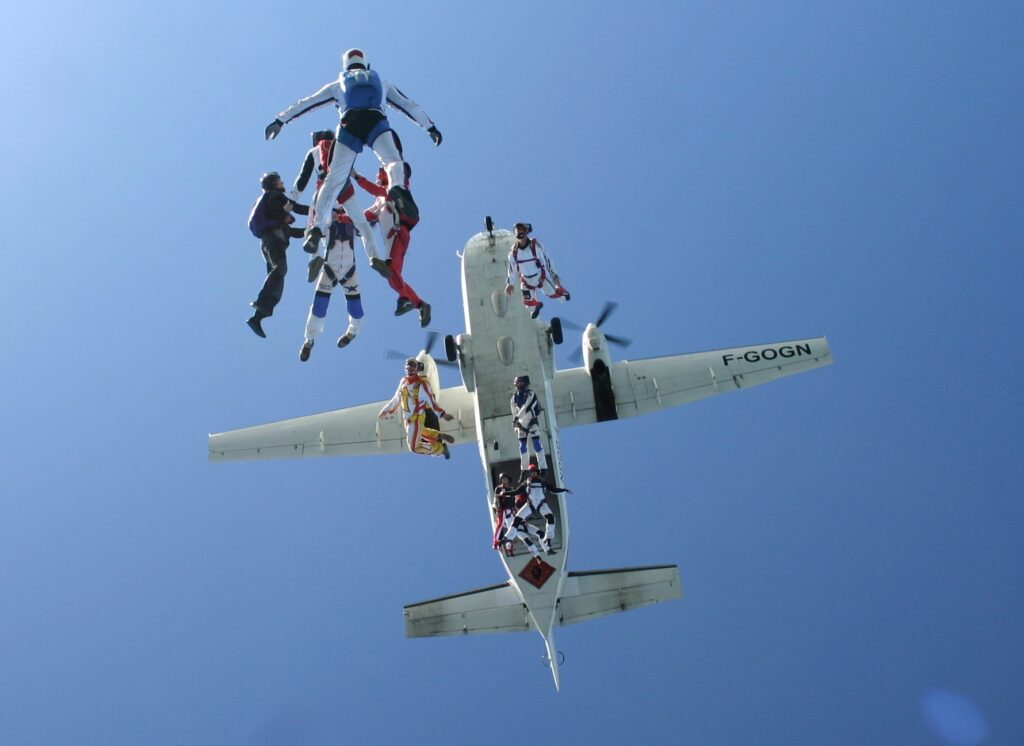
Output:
x=525 y=421
x=339 y=269
x=360 y=96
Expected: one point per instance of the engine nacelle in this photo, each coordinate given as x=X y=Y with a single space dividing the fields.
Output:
x=599 y=364
x=595 y=347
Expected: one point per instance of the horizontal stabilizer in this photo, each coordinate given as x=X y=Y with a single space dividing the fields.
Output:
x=588 y=595
x=488 y=610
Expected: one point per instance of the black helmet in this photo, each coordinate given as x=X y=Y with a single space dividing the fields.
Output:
x=503 y=476
x=319 y=135
x=270 y=178
x=525 y=226
x=412 y=362
x=525 y=380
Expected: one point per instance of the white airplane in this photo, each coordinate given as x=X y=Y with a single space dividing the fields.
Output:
x=502 y=341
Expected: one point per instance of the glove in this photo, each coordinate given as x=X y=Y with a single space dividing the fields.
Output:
x=435 y=135
x=273 y=128
x=293 y=196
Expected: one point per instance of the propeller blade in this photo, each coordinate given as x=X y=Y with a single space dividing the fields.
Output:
x=571 y=324
x=620 y=341
x=432 y=338
x=395 y=355
x=607 y=311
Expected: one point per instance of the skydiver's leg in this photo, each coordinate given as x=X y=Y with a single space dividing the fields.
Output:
x=355 y=214
x=538 y=448
x=273 y=246
x=390 y=156
x=549 y=516
x=397 y=259
x=524 y=456
x=342 y=158
x=317 y=314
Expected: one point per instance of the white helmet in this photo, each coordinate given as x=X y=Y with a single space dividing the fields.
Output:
x=352 y=58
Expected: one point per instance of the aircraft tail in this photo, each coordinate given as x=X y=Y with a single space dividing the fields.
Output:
x=585 y=595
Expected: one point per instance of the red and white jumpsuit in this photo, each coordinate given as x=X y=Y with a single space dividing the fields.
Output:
x=532 y=265
x=395 y=232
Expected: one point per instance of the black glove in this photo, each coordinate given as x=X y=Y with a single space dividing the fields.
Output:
x=435 y=135
x=273 y=128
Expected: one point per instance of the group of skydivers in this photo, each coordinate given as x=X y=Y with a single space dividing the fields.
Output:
x=335 y=218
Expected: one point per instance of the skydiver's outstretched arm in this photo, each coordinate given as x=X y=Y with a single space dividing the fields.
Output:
x=398 y=100
x=330 y=92
x=392 y=405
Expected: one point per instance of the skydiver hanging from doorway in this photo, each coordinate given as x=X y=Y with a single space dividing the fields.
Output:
x=525 y=420
x=537 y=502
x=360 y=95
x=507 y=500
x=528 y=261
x=416 y=400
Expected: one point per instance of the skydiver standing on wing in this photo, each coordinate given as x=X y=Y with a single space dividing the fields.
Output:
x=360 y=95
x=316 y=161
x=415 y=399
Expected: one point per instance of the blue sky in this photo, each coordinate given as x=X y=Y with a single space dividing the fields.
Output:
x=731 y=174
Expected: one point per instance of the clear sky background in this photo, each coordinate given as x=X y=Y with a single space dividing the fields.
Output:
x=849 y=539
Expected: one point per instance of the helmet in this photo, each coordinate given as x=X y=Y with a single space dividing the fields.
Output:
x=527 y=228
x=503 y=476
x=269 y=179
x=524 y=380
x=352 y=58
x=322 y=135
x=413 y=363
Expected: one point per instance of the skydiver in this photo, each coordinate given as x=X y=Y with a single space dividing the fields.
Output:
x=416 y=400
x=525 y=420
x=528 y=261
x=317 y=159
x=338 y=269
x=270 y=221
x=506 y=502
x=360 y=95
x=537 y=502
x=395 y=229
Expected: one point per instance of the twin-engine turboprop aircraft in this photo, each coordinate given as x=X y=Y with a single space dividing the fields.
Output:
x=502 y=341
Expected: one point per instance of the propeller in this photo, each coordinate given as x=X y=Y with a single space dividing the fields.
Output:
x=607 y=310
x=431 y=341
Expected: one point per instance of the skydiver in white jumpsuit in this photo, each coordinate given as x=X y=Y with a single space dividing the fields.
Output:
x=338 y=269
x=528 y=261
x=505 y=530
x=526 y=422
x=360 y=95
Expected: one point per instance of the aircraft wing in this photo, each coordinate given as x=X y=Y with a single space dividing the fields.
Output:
x=641 y=386
x=354 y=431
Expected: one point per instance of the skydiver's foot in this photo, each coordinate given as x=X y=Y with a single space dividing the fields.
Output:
x=255 y=323
x=345 y=338
x=404 y=203
x=446 y=437
x=312 y=243
x=445 y=451
x=315 y=265
x=404 y=306
x=536 y=310
x=382 y=267
x=304 y=351
x=561 y=293
x=424 y=314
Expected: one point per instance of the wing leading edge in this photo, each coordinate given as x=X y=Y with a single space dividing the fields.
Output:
x=642 y=386
x=354 y=431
